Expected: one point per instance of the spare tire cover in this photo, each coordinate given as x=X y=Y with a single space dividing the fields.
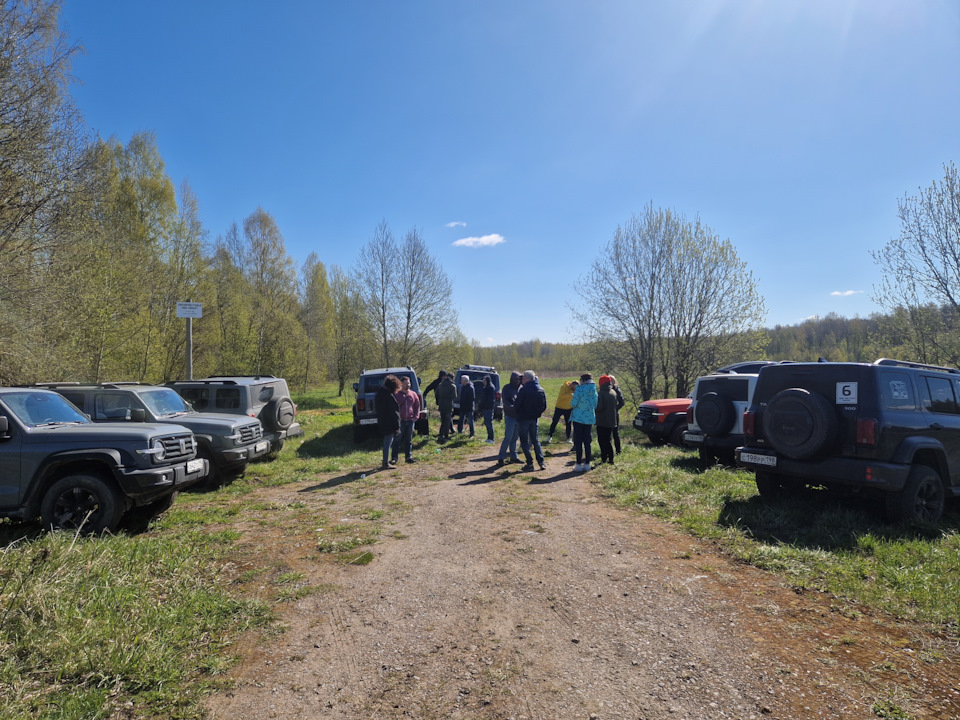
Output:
x=279 y=413
x=799 y=423
x=715 y=414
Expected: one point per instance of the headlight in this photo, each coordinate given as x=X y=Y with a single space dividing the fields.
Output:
x=159 y=452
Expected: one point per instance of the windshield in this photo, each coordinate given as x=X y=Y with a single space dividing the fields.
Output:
x=42 y=408
x=164 y=401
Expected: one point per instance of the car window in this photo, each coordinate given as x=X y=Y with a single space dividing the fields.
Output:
x=75 y=397
x=897 y=391
x=199 y=398
x=112 y=406
x=164 y=401
x=227 y=399
x=942 y=398
x=266 y=392
x=34 y=409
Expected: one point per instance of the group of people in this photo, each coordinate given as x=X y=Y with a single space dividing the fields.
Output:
x=581 y=405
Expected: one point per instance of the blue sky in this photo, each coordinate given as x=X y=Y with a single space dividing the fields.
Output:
x=790 y=127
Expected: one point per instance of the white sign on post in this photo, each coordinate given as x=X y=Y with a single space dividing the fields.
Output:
x=189 y=310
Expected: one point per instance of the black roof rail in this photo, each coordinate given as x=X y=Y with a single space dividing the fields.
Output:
x=255 y=377
x=53 y=384
x=919 y=366
x=120 y=383
x=205 y=381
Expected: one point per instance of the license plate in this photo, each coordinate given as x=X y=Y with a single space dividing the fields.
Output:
x=194 y=466
x=692 y=438
x=768 y=460
x=262 y=446
x=368 y=421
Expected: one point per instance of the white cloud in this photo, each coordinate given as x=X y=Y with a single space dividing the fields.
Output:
x=455 y=223
x=846 y=293
x=485 y=241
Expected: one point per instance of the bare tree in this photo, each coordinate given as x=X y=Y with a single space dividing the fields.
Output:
x=921 y=284
x=665 y=301
x=352 y=337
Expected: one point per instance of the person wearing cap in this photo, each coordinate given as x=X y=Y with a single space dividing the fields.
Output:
x=606 y=418
x=583 y=417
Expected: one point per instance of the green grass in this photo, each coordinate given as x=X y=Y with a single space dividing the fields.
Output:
x=840 y=545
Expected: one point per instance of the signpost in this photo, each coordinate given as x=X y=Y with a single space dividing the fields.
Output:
x=189 y=310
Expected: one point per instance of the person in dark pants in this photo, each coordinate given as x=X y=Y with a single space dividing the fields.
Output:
x=446 y=395
x=388 y=415
x=562 y=409
x=486 y=404
x=467 y=397
x=606 y=413
x=584 y=404
x=620 y=403
x=531 y=404
x=409 y=403
x=510 y=432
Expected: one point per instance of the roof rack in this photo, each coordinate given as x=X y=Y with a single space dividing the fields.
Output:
x=254 y=377
x=919 y=366
x=205 y=381
x=53 y=384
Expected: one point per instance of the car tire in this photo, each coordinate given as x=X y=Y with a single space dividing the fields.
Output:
x=657 y=440
x=279 y=413
x=920 y=501
x=676 y=435
x=82 y=503
x=800 y=424
x=715 y=414
x=708 y=458
x=498 y=414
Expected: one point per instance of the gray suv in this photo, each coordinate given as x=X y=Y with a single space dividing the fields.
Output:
x=264 y=397
x=229 y=442
x=77 y=475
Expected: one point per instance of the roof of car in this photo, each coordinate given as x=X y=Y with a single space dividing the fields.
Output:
x=377 y=371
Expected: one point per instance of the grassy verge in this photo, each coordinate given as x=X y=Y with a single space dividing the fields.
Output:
x=840 y=545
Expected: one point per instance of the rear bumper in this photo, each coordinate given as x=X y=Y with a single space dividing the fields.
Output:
x=708 y=442
x=852 y=472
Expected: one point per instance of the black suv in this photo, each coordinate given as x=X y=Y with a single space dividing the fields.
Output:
x=890 y=427
x=365 y=410
x=229 y=442
x=56 y=464
x=476 y=373
x=264 y=397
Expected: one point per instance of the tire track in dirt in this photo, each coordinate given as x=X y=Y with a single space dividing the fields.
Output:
x=523 y=596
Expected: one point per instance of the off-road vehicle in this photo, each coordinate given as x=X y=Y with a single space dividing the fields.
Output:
x=74 y=474
x=663 y=421
x=365 y=410
x=715 y=413
x=476 y=373
x=264 y=397
x=891 y=428
x=229 y=442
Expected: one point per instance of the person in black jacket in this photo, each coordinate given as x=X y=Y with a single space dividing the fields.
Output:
x=432 y=387
x=486 y=403
x=467 y=396
x=446 y=396
x=388 y=415
x=620 y=403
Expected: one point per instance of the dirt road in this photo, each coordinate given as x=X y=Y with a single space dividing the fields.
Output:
x=499 y=594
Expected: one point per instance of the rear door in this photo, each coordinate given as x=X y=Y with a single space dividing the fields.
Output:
x=941 y=406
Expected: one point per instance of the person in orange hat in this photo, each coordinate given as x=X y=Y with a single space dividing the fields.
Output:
x=606 y=418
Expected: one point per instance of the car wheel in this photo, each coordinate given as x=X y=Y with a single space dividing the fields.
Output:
x=81 y=502
x=280 y=413
x=657 y=440
x=920 y=501
x=676 y=435
x=707 y=457
x=498 y=414
x=799 y=423
x=715 y=414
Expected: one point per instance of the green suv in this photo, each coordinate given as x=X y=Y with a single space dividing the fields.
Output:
x=77 y=475
x=229 y=442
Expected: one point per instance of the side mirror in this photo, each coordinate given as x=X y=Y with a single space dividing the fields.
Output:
x=138 y=414
x=4 y=426
x=356 y=387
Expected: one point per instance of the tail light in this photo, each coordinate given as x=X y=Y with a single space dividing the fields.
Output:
x=867 y=432
x=361 y=404
x=749 y=424
x=498 y=396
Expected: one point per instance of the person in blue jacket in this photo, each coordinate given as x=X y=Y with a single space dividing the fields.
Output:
x=583 y=417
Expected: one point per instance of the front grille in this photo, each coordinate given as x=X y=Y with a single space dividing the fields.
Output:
x=179 y=446
x=645 y=413
x=251 y=433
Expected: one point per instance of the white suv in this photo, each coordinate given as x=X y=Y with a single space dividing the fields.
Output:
x=715 y=416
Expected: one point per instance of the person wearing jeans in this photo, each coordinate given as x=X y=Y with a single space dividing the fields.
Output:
x=409 y=403
x=530 y=405
x=584 y=404
x=486 y=404
x=388 y=415
x=510 y=430
x=467 y=397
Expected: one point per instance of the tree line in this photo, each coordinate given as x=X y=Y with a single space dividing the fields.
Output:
x=97 y=245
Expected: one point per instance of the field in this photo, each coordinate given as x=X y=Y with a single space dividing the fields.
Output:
x=150 y=621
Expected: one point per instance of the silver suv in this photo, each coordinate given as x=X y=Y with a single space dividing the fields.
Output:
x=264 y=397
